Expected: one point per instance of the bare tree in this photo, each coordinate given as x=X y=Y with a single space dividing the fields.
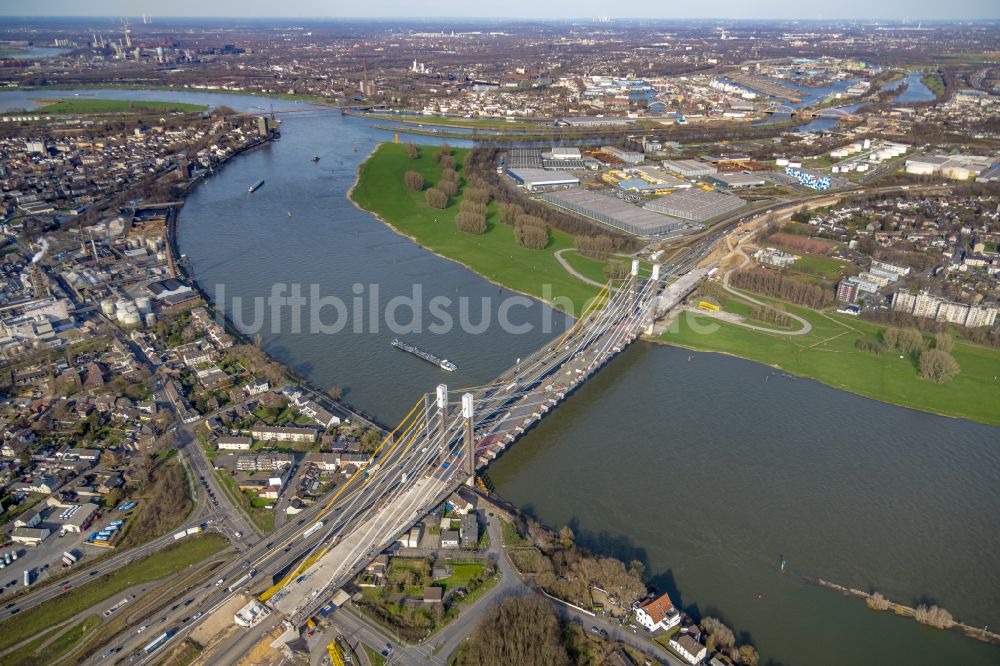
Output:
x=938 y=366
x=414 y=180
x=436 y=198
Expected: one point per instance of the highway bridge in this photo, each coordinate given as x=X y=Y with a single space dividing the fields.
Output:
x=448 y=434
x=831 y=112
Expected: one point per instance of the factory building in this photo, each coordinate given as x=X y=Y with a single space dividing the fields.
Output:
x=626 y=156
x=737 y=181
x=695 y=204
x=613 y=212
x=537 y=179
x=956 y=167
x=689 y=168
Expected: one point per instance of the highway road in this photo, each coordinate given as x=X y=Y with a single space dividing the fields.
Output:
x=418 y=451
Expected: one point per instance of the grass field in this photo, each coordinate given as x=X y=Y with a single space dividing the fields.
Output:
x=375 y=657
x=494 y=254
x=934 y=82
x=154 y=567
x=462 y=572
x=828 y=354
x=84 y=106
x=828 y=269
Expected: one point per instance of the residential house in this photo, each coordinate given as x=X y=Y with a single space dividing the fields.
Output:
x=691 y=650
x=287 y=434
x=233 y=443
x=658 y=613
x=469 y=530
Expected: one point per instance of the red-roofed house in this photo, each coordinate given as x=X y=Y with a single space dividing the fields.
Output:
x=658 y=613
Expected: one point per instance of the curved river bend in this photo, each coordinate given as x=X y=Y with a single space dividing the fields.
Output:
x=698 y=468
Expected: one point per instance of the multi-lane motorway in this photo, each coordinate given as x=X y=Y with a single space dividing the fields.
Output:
x=407 y=477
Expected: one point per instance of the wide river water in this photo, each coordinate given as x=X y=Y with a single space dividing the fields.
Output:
x=688 y=462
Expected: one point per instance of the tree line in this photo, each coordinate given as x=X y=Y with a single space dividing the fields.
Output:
x=775 y=285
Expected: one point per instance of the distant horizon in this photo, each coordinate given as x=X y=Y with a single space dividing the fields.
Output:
x=569 y=19
x=556 y=10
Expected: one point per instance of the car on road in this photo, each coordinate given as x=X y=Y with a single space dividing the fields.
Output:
x=141 y=629
x=66 y=587
x=189 y=602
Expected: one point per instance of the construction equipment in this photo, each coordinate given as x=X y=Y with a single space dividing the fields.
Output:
x=336 y=654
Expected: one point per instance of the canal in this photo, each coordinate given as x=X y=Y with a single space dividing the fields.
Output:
x=698 y=468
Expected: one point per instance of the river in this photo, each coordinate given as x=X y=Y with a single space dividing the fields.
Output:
x=699 y=469
x=709 y=476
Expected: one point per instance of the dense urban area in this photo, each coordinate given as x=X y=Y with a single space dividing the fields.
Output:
x=825 y=196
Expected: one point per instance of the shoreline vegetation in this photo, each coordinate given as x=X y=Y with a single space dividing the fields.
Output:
x=94 y=105
x=933 y=616
x=494 y=254
x=832 y=353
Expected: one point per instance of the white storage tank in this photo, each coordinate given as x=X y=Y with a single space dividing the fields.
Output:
x=129 y=316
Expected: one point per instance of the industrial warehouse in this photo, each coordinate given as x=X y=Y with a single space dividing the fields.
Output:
x=614 y=212
x=695 y=205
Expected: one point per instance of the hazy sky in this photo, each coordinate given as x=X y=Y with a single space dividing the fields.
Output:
x=737 y=9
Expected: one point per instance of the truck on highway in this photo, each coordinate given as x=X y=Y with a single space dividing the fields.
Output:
x=27 y=577
x=247 y=576
x=160 y=640
x=312 y=530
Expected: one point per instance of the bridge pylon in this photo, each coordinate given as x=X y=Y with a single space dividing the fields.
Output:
x=655 y=277
x=633 y=285
x=442 y=405
x=469 y=445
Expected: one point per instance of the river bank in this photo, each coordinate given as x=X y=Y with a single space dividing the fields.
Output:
x=829 y=354
x=847 y=488
x=494 y=255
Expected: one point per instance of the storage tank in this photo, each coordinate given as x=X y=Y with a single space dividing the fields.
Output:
x=127 y=313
